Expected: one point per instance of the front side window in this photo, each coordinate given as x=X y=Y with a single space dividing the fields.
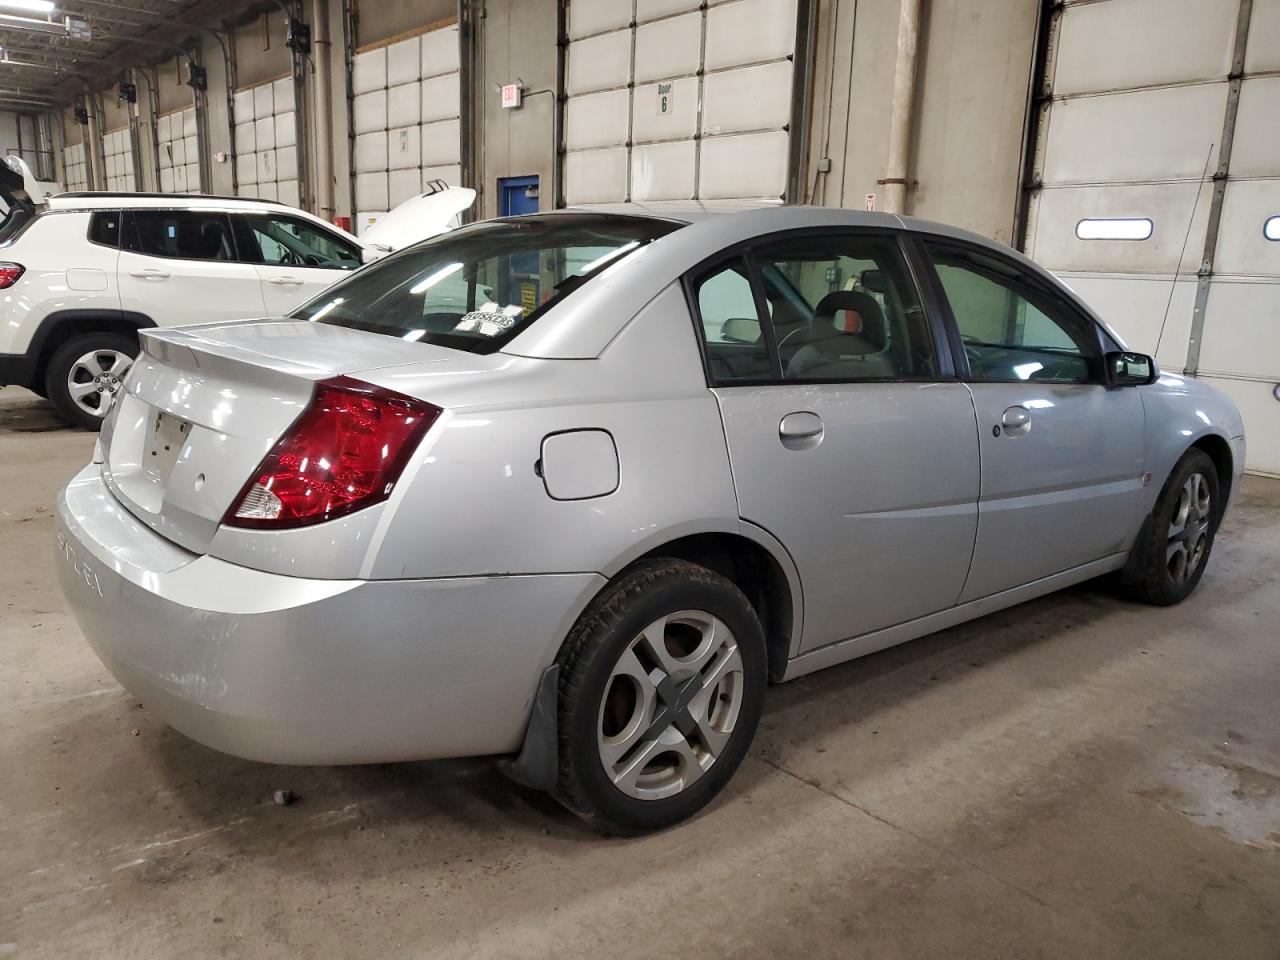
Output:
x=839 y=307
x=1012 y=328
x=291 y=242
x=179 y=234
x=478 y=287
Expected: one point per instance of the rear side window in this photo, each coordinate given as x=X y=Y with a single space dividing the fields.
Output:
x=104 y=228
x=179 y=234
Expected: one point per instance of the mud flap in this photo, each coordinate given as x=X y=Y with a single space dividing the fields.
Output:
x=538 y=763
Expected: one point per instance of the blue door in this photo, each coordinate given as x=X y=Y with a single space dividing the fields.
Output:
x=517 y=195
x=519 y=281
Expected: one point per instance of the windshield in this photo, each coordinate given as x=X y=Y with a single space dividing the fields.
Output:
x=476 y=288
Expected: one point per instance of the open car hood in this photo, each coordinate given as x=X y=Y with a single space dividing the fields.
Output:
x=418 y=218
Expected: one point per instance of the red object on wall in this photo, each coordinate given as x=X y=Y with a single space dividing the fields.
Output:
x=343 y=222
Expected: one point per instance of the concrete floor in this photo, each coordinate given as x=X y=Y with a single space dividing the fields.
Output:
x=1077 y=777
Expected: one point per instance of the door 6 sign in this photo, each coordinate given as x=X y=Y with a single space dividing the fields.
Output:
x=664 y=98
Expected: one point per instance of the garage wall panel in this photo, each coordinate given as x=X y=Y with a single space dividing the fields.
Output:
x=1164 y=133
x=1112 y=146
x=117 y=150
x=753 y=98
x=179 y=152
x=647 y=104
x=668 y=48
x=1115 y=44
x=406 y=118
x=266 y=141
x=75 y=169
x=663 y=171
x=598 y=120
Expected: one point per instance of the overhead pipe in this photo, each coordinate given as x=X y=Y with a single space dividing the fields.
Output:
x=902 y=111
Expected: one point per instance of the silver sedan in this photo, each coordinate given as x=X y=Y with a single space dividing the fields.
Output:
x=574 y=488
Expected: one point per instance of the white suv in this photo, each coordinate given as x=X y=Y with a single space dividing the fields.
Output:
x=81 y=273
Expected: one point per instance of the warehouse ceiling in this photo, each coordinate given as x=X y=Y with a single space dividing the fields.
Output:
x=43 y=65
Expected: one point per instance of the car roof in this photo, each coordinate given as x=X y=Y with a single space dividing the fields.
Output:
x=105 y=200
x=588 y=318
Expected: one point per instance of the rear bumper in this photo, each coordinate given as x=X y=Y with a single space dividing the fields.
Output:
x=289 y=670
x=16 y=370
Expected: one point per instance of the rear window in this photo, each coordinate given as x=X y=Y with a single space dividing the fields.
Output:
x=477 y=288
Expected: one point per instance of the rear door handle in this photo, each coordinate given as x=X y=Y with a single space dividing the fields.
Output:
x=800 y=430
x=149 y=273
x=285 y=281
x=1016 y=421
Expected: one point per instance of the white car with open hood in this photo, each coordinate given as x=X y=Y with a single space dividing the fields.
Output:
x=82 y=273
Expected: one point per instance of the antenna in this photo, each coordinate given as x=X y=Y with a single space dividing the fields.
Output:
x=1181 y=253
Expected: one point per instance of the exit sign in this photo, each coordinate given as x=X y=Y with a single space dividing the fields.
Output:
x=511 y=95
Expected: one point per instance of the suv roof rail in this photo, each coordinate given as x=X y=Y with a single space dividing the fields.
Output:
x=80 y=194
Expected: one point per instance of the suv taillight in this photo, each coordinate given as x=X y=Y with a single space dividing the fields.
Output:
x=345 y=452
x=9 y=274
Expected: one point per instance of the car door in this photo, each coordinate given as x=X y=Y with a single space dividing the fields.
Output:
x=849 y=437
x=1062 y=453
x=180 y=266
x=294 y=259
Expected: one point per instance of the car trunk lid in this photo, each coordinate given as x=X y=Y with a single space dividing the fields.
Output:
x=205 y=404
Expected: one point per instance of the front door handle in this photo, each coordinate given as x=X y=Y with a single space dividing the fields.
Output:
x=800 y=430
x=149 y=273
x=1015 y=422
x=285 y=281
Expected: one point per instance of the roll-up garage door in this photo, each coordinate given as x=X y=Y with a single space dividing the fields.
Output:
x=117 y=149
x=1128 y=150
x=688 y=104
x=75 y=169
x=267 y=142
x=406 y=117
x=179 y=152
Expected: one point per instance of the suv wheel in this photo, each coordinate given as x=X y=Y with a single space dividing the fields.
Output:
x=86 y=374
x=661 y=686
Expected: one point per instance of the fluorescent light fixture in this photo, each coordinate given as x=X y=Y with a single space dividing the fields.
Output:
x=12 y=21
x=28 y=6
x=1271 y=229
x=1114 y=228
x=427 y=282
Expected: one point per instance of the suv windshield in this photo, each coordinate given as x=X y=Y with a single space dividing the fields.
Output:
x=476 y=288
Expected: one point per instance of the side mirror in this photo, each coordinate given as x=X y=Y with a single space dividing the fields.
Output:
x=1126 y=369
x=741 y=330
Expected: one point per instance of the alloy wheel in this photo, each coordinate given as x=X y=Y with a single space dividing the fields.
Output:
x=670 y=705
x=96 y=378
x=1189 y=529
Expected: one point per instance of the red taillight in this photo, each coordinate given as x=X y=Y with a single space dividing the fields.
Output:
x=343 y=453
x=9 y=274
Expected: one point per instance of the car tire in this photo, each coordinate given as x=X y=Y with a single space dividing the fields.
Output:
x=1173 y=547
x=662 y=682
x=76 y=363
